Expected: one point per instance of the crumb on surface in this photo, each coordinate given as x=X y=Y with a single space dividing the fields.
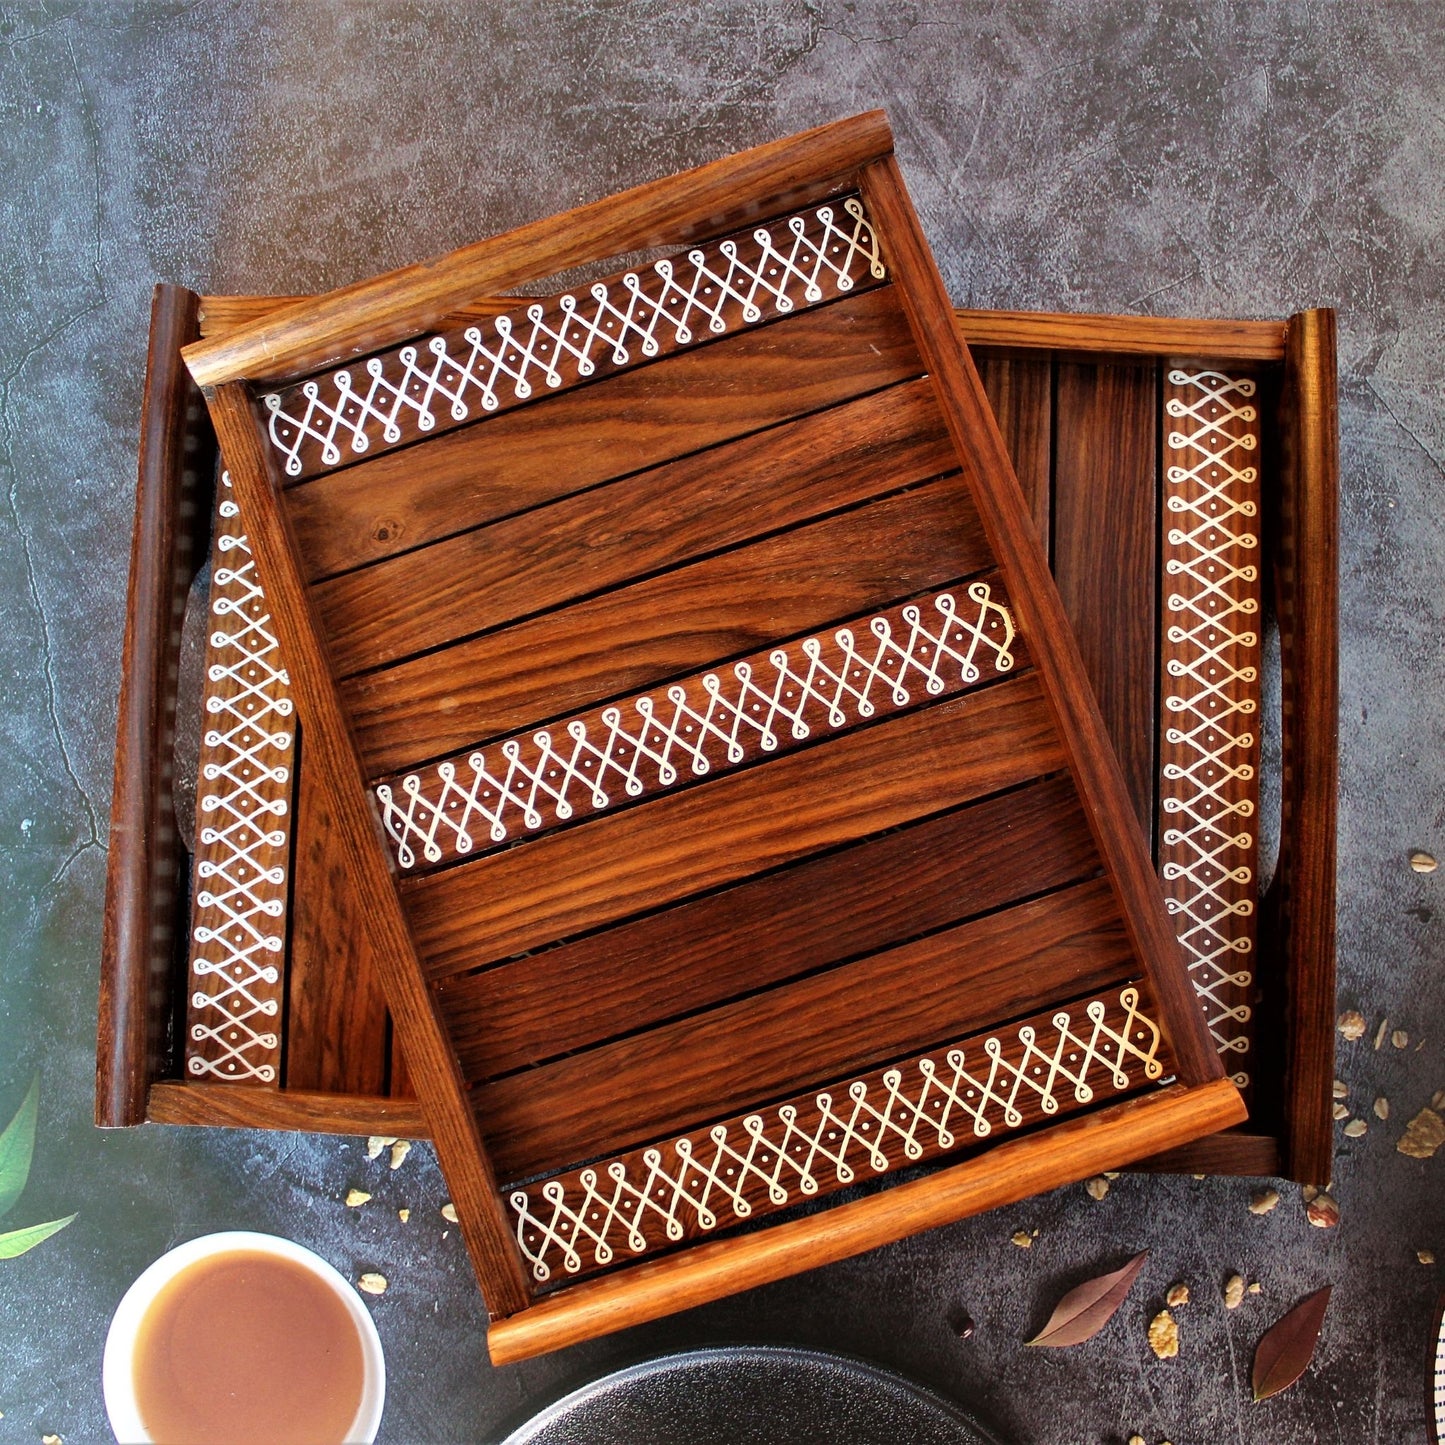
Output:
x=1255 y=1287
x=1423 y=1135
x=403 y=1215
x=1351 y=1024
x=1164 y=1335
x=1097 y=1187
x=1381 y=1106
x=1425 y=1256
x=1234 y=1292
x=1263 y=1201
x=372 y=1283
x=376 y=1143
x=1023 y=1239
x=399 y=1150
x=1322 y=1211
x=449 y=1212
x=355 y=1198
x=1400 y=1039
x=1341 y=1112
x=1355 y=1128
x=1178 y=1295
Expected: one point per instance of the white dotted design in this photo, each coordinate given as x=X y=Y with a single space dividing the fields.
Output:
x=1438 y=1398
x=803 y=259
x=1210 y=692
x=244 y=800
x=642 y=746
x=824 y=1141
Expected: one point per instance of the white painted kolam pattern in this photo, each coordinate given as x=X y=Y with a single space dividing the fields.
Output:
x=243 y=844
x=1211 y=687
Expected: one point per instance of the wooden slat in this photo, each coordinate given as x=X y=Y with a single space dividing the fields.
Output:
x=144 y=872
x=767 y=930
x=641 y=419
x=222 y=314
x=860 y=1014
x=459 y=375
x=1223 y=340
x=717 y=833
x=1233 y=1151
x=1020 y=391
x=791 y=696
x=694 y=616
x=1105 y=550
x=840 y=1132
x=1110 y=1138
x=235 y=1106
x=337 y=1033
x=404 y=303
x=1302 y=902
x=652 y=521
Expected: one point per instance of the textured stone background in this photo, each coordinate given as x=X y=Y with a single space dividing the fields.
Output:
x=1202 y=157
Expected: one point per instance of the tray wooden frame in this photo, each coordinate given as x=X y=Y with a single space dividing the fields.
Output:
x=1259 y=342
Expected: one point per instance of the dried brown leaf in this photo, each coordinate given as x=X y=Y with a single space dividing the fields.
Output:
x=1286 y=1349
x=1087 y=1308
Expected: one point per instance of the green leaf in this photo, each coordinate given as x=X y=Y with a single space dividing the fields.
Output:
x=17 y=1241
x=17 y=1144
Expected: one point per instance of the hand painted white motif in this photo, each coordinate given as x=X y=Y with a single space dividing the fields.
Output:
x=778 y=1156
x=800 y=260
x=239 y=926
x=754 y=707
x=1212 y=650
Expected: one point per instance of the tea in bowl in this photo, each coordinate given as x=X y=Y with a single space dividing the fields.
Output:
x=241 y=1337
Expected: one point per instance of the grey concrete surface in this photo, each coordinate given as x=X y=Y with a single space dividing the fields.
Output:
x=1157 y=156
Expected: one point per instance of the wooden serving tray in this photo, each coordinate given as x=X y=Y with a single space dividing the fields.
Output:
x=748 y=826
x=337 y=1069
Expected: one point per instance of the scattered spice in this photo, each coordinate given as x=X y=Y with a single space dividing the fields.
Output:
x=1323 y=1212
x=1097 y=1187
x=1178 y=1295
x=449 y=1212
x=1023 y=1239
x=1355 y=1128
x=1400 y=1039
x=1164 y=1335
x=1425 y=1256
x=1341 y=1112
x=1423 y=862
x=355 y=1198
x=376 y=1143
x=399 y=1150
x=1382 y=1109
x=1424 y=1134
x=1342 y=1089
x=1285 y=1351
x=1264 y=1201
x=1380 y=1033
x=403 y=1214
x=1088 y=1307
x=1351 y=1024
x=372 y=1284
x=1233 y=1292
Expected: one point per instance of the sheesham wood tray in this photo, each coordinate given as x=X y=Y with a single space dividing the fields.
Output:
x=1026 y=352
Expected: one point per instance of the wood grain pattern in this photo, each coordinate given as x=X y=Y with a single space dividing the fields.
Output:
x=337 y=1032
x=1225 y=341
x=767 y=930
x=713 y=835
x=1040 y=614
x=610 y=535
x=459 y=375
x=1020 y=391
x=797 y=694
x=237 y=1106
x=143 y=865
x=1106 y=551
x=636 y=636
x=402 y=304
x=881 y=1007
x=642 y=418
x=1114 y=1137
x=1302 y=894
x=910 y=1112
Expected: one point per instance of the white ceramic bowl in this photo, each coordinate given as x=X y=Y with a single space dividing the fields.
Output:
x=117 y=1370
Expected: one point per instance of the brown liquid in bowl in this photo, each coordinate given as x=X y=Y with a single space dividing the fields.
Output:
x=247 y=1349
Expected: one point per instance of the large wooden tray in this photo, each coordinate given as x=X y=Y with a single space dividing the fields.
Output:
x=748 y=825
x=336 y=1060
